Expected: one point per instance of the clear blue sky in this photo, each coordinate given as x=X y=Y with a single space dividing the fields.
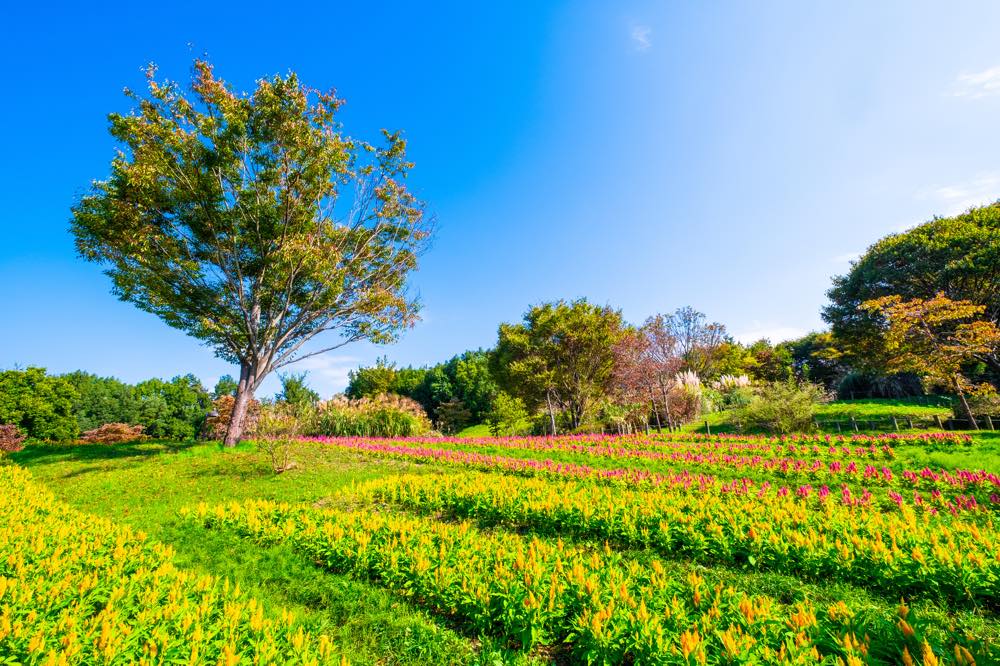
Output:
x=644 y=154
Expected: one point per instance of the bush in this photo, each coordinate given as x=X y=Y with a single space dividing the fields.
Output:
x=783 y=407
x=39 y=404
x=114 y=433
x=11 y=438
x=507 y=416
x=381 y=416
x=275 y=428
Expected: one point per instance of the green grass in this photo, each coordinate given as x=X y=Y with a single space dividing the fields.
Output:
x=481 y=430
x=145 y=485
x=863 y=411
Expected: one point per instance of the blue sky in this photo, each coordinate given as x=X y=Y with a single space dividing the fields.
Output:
x=648 y=155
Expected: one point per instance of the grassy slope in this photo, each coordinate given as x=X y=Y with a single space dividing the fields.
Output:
x=146 y=485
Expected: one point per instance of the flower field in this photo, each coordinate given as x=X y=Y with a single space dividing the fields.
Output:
x=75 y=589
x=605 y=550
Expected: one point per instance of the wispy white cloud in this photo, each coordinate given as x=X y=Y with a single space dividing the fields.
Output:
x=978 y=84
x=641 y=37
x=327 y=374
x=958 y=197
x=774 y=333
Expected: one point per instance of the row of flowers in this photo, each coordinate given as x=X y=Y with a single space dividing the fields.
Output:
x=604 y=606
x=821 y=535
x=980 y=483
x=654 y=447
x=76 y=589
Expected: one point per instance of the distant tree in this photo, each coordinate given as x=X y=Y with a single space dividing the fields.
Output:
x=452 y=416
x=174 y=409
x=636 y=378
x=371 y=381
x=295 y=391
x=663 y=358
x=698 y=341
x=735 y=359
x=935 y=338
x=40 y=405
x=957 y=256
x=253 y=223
x=771 y=363
x=101 y=400
x=225 y=386
x=817 y=357
x=560 y=357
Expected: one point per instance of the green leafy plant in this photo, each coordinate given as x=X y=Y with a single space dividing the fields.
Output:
x=783 y=407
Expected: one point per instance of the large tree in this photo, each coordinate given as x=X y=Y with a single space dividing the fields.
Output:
x=958 y=256
x=253 y=223
x=560 y=357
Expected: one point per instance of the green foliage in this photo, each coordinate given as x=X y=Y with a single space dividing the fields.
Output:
x=174 y=409
x=816 y=357
x=295 y=391
x=507 y=415
x=771 y=363
x=41 y=405
x=561 y=355
x=101 y=400
x=371 y=381
x=225 y=386
x=382 y=416
x=465 y=379
x=783 y=407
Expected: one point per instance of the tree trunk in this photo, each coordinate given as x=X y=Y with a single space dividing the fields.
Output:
x=244 y=394
x=656 y=412
x=666 y=407
x=965 y=406
x=552 y=416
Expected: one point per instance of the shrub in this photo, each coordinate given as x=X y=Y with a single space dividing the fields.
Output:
x=275 y=428
x=783 y=407
x=381 y=416
x=11 y=438
x=215 y=424
x=114 y=433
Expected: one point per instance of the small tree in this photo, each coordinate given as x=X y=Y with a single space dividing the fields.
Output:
x=11 y=438
x=783 y=407
x=295 y=391
x=253 y=223
x=507 y=415
x=935 y=338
